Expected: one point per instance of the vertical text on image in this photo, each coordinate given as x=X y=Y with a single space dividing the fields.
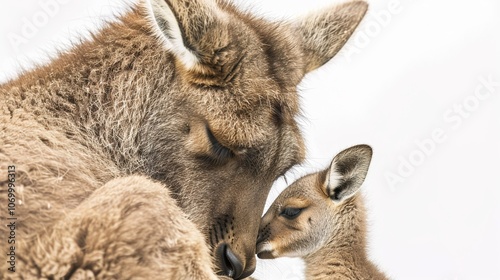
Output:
x=11 y=218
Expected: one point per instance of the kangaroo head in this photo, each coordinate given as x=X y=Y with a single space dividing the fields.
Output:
x=309 y=212
x=224 y=127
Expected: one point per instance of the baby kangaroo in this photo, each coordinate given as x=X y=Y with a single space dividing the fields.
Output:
x=321 y=219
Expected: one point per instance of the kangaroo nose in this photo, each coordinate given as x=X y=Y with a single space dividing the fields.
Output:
x=230 y=263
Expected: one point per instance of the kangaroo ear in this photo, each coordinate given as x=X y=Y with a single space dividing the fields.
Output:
x=198 y=34
x=325 y=32
x=347 y=172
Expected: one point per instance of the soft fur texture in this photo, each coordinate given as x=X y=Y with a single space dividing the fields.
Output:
x=99 y=133
x=143 y=245
x=329 y=231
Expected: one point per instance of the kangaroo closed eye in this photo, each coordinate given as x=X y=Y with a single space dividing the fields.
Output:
x=220 y=152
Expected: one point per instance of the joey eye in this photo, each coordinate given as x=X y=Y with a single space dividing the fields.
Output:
x=219 y=151
x=291 y=213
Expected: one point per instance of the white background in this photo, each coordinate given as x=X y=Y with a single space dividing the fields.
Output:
x=396 y=83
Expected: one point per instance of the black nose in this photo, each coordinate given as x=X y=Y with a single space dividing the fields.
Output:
x=230 y=263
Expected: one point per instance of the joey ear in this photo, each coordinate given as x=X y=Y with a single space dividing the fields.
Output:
x=347 y=172
x=200 y=36
x=325 y=32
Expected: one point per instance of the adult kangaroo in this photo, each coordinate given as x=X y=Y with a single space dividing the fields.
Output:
x=149 y=150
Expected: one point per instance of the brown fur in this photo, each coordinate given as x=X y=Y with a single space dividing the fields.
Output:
x=329 y=231
x=216 y=133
